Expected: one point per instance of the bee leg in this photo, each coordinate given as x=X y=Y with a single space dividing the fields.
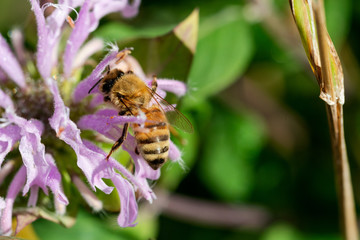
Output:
x=154 y=84
x=136 y=151
x=118 y=143
x=107 y=69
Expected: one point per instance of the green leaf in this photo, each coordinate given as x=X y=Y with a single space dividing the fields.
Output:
x=231 y=145
x=282 y=231
x=147 y=224
x=87 y=227
x=224 y=51
x=338 y=19
x=117 y=31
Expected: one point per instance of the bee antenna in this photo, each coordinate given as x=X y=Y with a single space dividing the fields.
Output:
x=94 y=86
x=126 y=106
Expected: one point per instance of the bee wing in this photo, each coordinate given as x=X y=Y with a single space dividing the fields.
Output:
x=174 y=116
x=177 y=119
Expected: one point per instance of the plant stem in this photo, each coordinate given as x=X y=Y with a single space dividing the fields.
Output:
x=335 y=117
x=342 y=173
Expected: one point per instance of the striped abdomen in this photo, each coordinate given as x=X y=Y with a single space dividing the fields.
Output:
x=153 y=138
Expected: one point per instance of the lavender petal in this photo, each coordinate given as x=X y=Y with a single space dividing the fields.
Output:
x=88 y=21
x=109 y=120
x=10 y=65
x=53 y=180
x=34 y=192
x=174 y=152
x=71 y=3
x=68 y=132
x=6 y=102
x=17 y=40
x=102 y=8
x=111 y=130
x=142 y=187
x=174 y=86
x=44 y=53
x=131 y=10
x=49 y=33
x=91 y=47
x=9 y=135
x=40 y=168
x=32 y=152
x=77 y=37
x=129 y=207
x=14 y=189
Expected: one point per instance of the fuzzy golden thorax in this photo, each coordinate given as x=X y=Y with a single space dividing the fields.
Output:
x=126 y=91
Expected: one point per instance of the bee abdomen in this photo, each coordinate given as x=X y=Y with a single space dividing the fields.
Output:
x=154 y=146
x=153 y=139
x=156 y=163
x=156 y=151
x=153 y=150
x=159 y=125
x=155 y=159
x=155 y=154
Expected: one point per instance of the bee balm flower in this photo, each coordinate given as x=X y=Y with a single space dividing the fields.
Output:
x=42 y=118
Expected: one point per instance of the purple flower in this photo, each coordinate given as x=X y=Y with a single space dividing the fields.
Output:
x=41 y=117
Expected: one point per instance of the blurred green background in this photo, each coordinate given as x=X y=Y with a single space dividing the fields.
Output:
x=259 y=164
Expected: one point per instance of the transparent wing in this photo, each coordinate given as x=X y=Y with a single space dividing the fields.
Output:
x=174 y=116
x=177 y=119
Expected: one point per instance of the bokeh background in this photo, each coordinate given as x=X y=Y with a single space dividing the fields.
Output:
x=259 y=164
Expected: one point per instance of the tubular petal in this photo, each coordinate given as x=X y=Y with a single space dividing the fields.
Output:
x=10 y=65
x=14 y=189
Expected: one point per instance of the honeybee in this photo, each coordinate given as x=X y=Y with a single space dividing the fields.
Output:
x=132 y=97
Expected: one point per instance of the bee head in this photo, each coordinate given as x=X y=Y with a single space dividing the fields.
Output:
x=109 y=80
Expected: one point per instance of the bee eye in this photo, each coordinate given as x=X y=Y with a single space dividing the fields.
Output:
x=120 y=74
x=108 y=85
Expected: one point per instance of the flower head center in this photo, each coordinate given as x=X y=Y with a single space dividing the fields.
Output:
x=35 y=102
